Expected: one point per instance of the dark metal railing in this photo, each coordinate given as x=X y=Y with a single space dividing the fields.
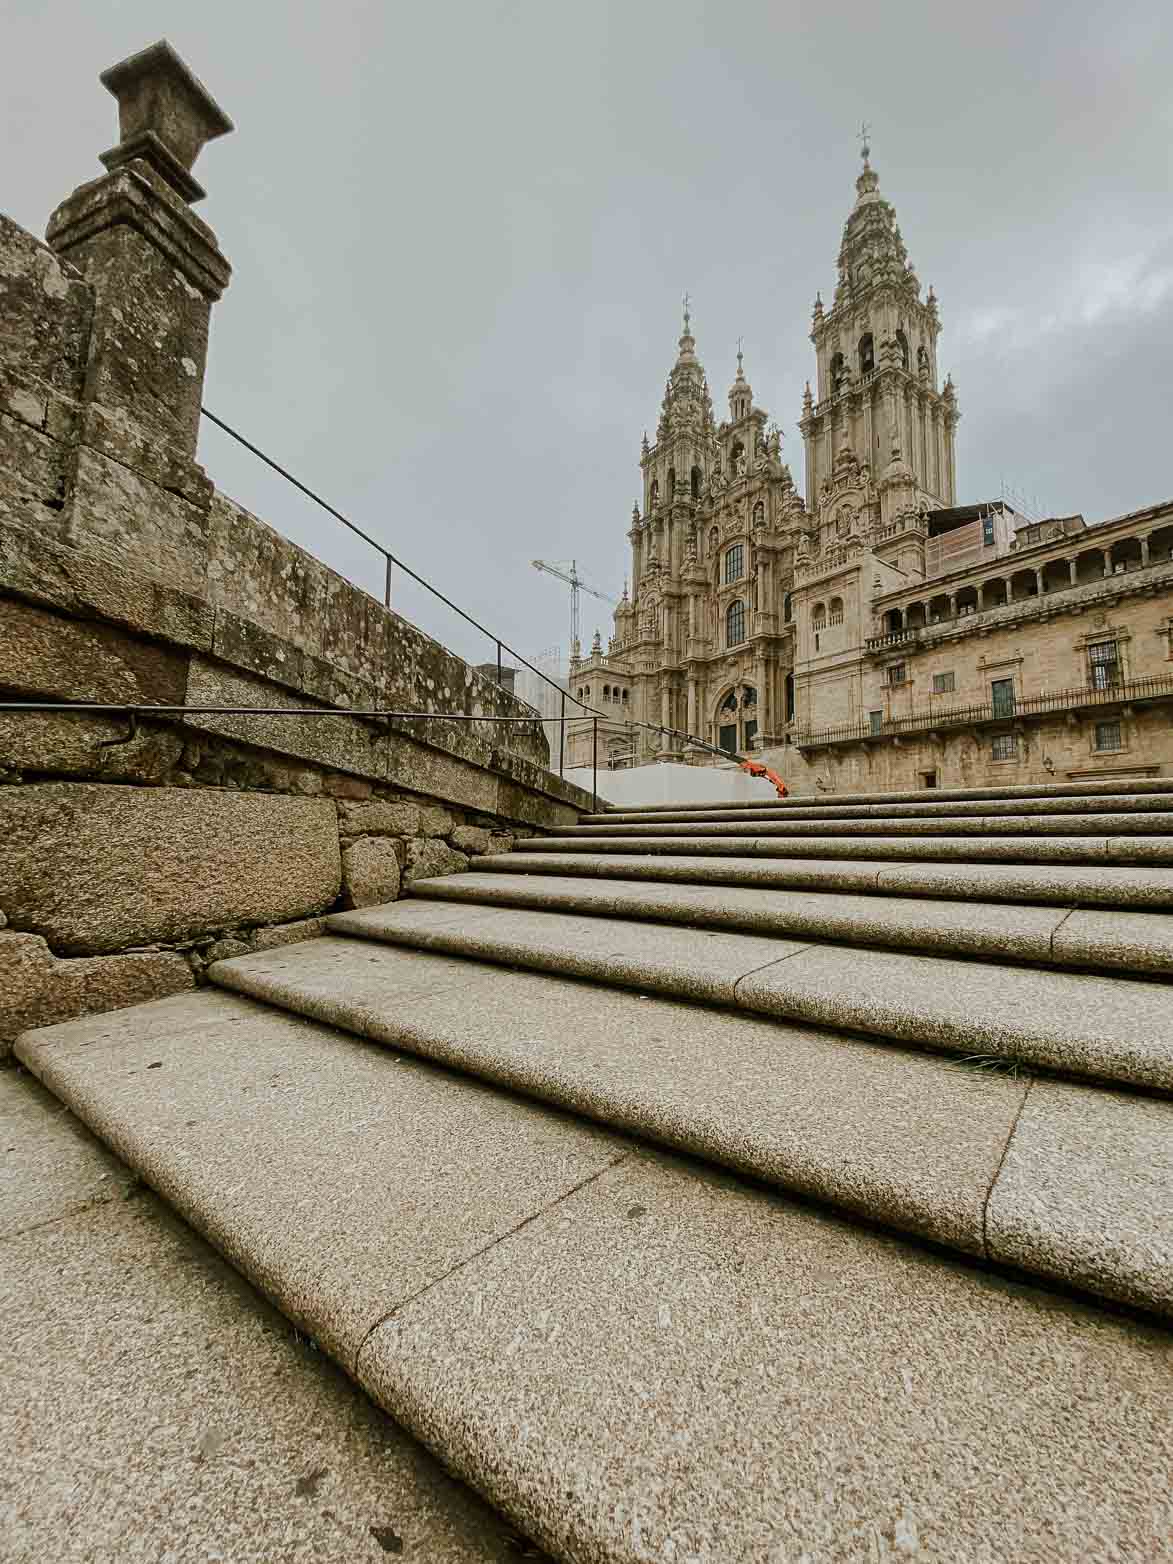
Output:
x=991 y=711
x=134 y=714
x=390 y=559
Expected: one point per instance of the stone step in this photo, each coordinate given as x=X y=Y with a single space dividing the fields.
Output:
x=1111 y=941
x=634 y=1357
x=1114 y=803
x=1046 y=884
x=1025 y=793
x=1157 y=823
x=1075 y=1024
x=1029 y=849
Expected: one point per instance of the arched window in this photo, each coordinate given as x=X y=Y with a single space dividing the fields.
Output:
x=867 y=354
x=902 y=344
x=818 y=616
x=735 y=623
x=696 y=483
x=606 y=692
x=671 y=484
x=625 y=697
x=837 y=373
x=787 y=608
x=655 y=491
x=835 y=612
x=734 y=563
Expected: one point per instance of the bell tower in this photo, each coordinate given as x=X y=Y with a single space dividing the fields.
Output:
x=878 y=389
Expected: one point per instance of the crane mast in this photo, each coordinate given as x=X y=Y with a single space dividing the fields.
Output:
x=576 y=585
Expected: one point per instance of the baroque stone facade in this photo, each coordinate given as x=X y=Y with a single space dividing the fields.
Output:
x=758 y=618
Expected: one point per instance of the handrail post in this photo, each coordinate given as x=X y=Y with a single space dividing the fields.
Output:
x=595 y=764
x=562 y=738
x=498 y=662
x=387 y=583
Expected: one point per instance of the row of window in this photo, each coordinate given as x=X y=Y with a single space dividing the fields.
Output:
x=823 y=614
x=1103 y=672
x=611 y=692
x=1106 y=736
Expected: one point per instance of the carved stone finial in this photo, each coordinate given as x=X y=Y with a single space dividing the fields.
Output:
x=165 y=116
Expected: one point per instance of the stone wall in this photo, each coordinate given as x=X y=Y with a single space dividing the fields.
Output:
x=133 y=853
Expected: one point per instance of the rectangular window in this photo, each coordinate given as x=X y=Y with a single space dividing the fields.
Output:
x=1002 y=696
x=1103 y=664
x=1004 y=747
x=928 y=779
x=875 y=721
x=987 y=531
x=1109 y=736
x=944 y=683
x=734 y=563
x=735 y=623
x=898 y=673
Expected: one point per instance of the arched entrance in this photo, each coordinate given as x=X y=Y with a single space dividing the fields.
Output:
x=736 y=719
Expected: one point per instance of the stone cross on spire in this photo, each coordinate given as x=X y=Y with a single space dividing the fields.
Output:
x=865 y=140
x=686 y=301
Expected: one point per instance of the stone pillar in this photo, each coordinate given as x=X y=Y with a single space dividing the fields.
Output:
x=155 y=270
x=953 y=605
x=1107 y=553
x=1144 y=551
x=1073 y=572
x=691 y=721
x=1038 y=583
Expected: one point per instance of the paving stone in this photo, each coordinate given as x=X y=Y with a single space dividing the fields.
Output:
x=1113 y=1029
x=899 y=1137
x=1085 y=1193
x=1022 y=933
x=667 y=1366
x=156 y=1408
x=412 y=1170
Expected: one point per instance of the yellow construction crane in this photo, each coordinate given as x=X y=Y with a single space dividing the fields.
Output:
x=576 y=585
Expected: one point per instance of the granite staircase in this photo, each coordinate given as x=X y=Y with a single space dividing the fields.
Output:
x=766 y=1182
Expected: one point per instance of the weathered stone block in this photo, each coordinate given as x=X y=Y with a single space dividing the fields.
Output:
x=156 y=532
x=518 y=803
x=34 y=476
x=288 y=933
x=342 y=743
x=435 y=822
x=378 y=817
x=47 y=311
x=431 y=857
x=41 y=571
x=471 y=839
x=421 y=770
x=64 y=745
x=370 y=872
x=97 y=867
x=49 y=656
x=36 y=989
x=225 y=949
x=499 y=842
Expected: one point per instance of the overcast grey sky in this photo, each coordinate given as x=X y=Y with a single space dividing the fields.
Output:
x=460 y=234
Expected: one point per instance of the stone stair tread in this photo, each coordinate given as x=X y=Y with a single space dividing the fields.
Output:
x=1107 y=1028
x=804 y=809
x=1031 y=849
x=1155 y=823
x=1118 y=941
x=1062 y=884
x=622 y=1351
x=1023 y=793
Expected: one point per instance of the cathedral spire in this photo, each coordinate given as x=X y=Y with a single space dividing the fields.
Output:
x=687 y=404
x=740 y=392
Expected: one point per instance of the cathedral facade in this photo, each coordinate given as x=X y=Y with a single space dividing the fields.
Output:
x=870 y=632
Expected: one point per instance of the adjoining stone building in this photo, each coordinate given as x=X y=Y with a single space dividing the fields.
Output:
x=874 y=633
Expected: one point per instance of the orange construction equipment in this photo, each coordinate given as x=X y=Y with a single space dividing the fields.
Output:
x=756 y=769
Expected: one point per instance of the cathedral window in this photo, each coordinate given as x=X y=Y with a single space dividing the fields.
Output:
x=837 y=374
x=867 y=354
x=606 y=692
x=625 y=697
x=696 y=483
x=735 y=563
x=735 y=623
x=787 y=608
x=835 y=612
x=818 y=616
x=671 y=484
x=655 y=491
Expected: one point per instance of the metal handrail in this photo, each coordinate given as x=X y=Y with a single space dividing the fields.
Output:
x=134 y=712
x=391 y=559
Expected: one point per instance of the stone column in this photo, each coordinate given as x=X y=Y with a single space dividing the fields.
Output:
x=155 y=270
x=1038 y=583
x=1144 y=550
x=1073 y=571
x=692 y=709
